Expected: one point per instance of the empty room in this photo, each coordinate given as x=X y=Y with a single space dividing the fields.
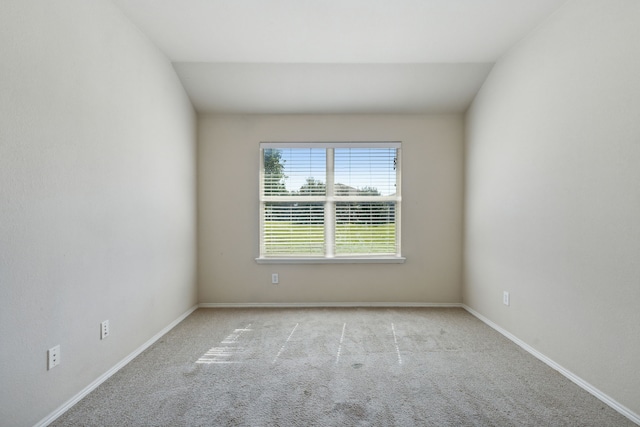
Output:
x=332 y=213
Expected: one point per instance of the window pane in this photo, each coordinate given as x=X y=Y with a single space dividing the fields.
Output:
x=365 y=171
x=273 y=173
x=294 y=229
x=295 y=171
x=365 y=228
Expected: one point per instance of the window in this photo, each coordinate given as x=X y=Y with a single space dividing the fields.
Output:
x=330 y=202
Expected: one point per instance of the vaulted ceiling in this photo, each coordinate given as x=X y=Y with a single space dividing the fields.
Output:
x=335 y=56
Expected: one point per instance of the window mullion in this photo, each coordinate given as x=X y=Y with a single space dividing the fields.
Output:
x=329 y=208
x=398 y=163
x=262 y=205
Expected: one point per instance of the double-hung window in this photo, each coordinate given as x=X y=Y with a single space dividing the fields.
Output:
x=330 y=202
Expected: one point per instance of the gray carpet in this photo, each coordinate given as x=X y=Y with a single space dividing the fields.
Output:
x=337 y=367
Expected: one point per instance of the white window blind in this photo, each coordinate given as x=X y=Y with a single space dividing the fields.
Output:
x=329 y=200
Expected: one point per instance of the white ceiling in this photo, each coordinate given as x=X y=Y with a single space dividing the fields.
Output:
x=334 y=56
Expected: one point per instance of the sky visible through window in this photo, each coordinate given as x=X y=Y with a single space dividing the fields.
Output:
x=354 y=167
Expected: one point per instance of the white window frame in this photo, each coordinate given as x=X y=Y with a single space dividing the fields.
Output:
x=330 y=200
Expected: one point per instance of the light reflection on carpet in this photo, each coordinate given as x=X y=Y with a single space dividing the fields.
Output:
x=223 y=354
x=285 y=343
x=228 y=351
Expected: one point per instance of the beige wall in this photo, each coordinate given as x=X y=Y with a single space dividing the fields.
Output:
x=97 y=198
x=431 y=212
x=553 y=194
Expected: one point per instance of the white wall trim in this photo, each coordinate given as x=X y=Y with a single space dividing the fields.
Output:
x=102 y=378
x=568 y=374
x=327 y=304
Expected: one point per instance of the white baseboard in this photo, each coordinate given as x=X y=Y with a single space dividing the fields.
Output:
x=102 y=378
x=568 y=374
x=327 y=305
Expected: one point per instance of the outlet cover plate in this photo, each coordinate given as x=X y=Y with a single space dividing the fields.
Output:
x=53 y=356
x=104 y=329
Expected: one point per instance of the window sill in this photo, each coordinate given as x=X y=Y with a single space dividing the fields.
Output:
x=336 y=260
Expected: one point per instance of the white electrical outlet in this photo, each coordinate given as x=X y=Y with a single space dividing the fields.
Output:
x=275 y=279
x=53 y=355
x=104 y=329
x=505 y=298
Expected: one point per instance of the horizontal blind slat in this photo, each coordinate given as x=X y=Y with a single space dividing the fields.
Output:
x=365 y=228
x=293 y=229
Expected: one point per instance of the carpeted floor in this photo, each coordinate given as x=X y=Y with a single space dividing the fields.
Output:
x=337 y=367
